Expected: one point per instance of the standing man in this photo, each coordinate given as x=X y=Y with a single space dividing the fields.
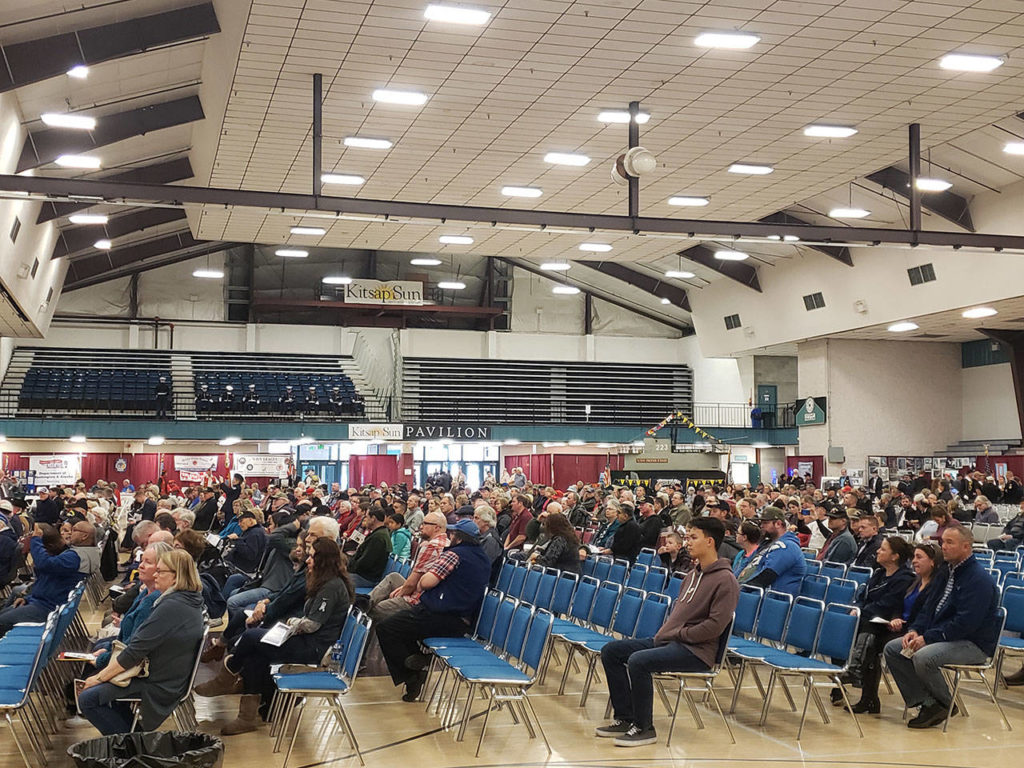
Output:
x=162 y=392
x=688 y=641
x=521 y=517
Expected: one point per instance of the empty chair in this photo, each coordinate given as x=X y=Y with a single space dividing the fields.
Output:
x=814 y=586
x=655 y=579
x=636 y=576
x=647 y=557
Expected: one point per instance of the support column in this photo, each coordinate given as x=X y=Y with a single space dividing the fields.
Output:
x=915 y=173
x=318 y=131
x=1013 y=341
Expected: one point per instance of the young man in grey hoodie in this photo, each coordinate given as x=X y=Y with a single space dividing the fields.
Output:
x=688 y=641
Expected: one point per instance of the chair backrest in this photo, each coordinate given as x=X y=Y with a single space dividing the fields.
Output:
x=1013 y=602
x=647 y=557
x=618 y=571
x=39 y=658
x=356 y=647
x=771 y=622
x=1013 y=579
x=859 y=573
x=812 y=566
x=627 y=611
x=505 y=577
x=607 y=598
x=655 y=580
x=804 y=621
x=517 y=630
x=838 y=631
x=814 y=586
x=984 y=556
x=530 y=584
x=603 y=567
x=652 y=614
x=636 y=576
x=583 y=600
x=723 y=646
x=502 y=620
x=747 y=609
x=841 y=591
x=995 y=573
x=345 y=636
x=536 y=640
x=675 y=584
x=515 y=587
x=587 y=566
x=546 y=588
x=1005 y=555
x=488 y=612
x=833 y=570
x=565 y=588
x=195 y=664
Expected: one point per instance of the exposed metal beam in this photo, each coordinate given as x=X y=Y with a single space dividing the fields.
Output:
x=45 y=146
x=75 y=239
x=948 y=205
x=280 y=305
x=652 y=285
x=318 y=131
x=157 y=173
x=129 y=254
x=837 y=252
x=153 y=261
x=684 y=329
x=118 y=191
x=914 y=133
x=1013 y=341
x=737 y=270
x=36 y=60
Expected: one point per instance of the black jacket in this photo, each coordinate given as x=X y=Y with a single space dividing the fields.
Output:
x=249 y=548
x=206 y=514
x=650 y=530
x=884 y=595
x=146 y=510
x=866 y=551
x=48 y=511
x=626 y=541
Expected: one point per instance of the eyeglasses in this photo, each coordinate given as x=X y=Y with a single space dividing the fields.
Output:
x=164 y=570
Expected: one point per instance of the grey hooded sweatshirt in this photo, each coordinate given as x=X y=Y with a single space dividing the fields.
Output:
x=702 y=611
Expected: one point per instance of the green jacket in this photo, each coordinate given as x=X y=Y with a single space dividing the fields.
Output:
x=371 y=558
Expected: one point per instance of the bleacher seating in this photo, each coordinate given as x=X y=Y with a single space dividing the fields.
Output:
x=270 y=386
x=94 y=386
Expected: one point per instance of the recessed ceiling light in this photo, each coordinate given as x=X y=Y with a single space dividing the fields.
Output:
x=933 y=185
x=79 y=72
x=291 y=253
x=566 y=158
x=621 y=116
x=337 y=280
x=78 y=122
x=211 y=274
x=77 y=438
x=666 y=301
x=555 y=266
x=78 y=161
x=595 y=247
x=521 y=192
x=829 y=131
x=157 y=440
x=456 y=15
x=978 y=312
x=88 y=218
x=731 y=255
x=363 y=143
x=750 y=169
x=230 y=441
x=451 y=285
x=456 y=239
x=410 y=98
x=577 y=442
x=966 y=62
x=903 y=327
x=308 y=231
x=848 y=213
x=1014 y=148
x=731 y=40
x=689 y=202
x=565 y=290
x=679 y=274
x=511 y=441
x=103 y=245
x=425 y=262
x=342 y=178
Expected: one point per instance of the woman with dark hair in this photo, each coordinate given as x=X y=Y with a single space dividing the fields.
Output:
x=329 y=593
x=562 y=548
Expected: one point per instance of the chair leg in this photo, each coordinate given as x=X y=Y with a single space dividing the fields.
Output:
x=675 y=711
x=465 y=715
x=849 y=706
x=17 y=743
x=295 y=732
x=952 y=699
x=803 y=713
x=718 y=707
x=737 y=684
x=487 y=715
x=767 y=699
x=533 y=716
x=991 y=690
x=340 y=709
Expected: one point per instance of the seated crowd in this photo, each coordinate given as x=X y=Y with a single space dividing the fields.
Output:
x=292 y=561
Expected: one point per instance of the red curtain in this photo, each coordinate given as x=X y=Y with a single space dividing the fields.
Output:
x=562 y=469
x=817 y=466
x=363 y=470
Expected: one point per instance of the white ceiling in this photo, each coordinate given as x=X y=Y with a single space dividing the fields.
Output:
x=948 y=326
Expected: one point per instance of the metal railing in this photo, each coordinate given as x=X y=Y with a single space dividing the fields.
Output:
x=743 y=416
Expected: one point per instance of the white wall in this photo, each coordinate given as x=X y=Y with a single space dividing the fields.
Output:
x=884 y=397
x=989 y=403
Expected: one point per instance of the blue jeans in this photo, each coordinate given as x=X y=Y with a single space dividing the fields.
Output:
x=628 y=666
x=99 y=707
x=232 y=583
x=920 y=678
x=239 y=601
x=29 y=613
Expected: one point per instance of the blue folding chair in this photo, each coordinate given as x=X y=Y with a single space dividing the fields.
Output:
x=636 y=576
x=655 y=579
x=814 y=586
x=841 y=591
x=647 y=556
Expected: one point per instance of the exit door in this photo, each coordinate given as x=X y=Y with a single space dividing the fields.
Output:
x=767 y=395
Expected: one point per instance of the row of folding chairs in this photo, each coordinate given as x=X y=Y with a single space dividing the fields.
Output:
x=295 y=691
x=502 y=658
x=648 y=576
x=395 y=565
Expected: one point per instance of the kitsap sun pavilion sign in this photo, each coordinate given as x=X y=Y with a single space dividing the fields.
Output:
x=393 y=292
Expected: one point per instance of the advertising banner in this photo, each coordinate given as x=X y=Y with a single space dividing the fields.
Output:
x=261 y=465
x=375 y=432
x=394 y=292
x=195 y=463
x=55 y=470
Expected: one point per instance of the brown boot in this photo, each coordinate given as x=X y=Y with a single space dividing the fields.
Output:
x=214 y=652
x=248 y=716
x=1017 y=678
x=224 y=683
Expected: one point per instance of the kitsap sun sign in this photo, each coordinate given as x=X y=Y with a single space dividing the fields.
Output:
x=394 y=292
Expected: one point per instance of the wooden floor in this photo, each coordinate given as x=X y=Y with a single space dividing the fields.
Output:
x=394 y=733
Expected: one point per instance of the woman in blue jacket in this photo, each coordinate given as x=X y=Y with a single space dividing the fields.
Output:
x=57 y=572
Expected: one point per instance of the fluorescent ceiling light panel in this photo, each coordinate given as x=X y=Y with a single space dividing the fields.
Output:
x=456 y=15
x=77 y=122
x=291 y=253
x=79 y=72
x=555 y=266
x=679 y=274
x=451 y=285
x=829 y=131
x=577 y=442
x=456 y=239
x=751 y=169
x=933 y=185
x=77 y=438
x=78 y=161
x=210 y=274
x=665 y=301
x=849 y=213
x=977 y=313
x=785 y=238
x=364 y=143
x=1014 y=148
x=595 y=247
x=731 y=255
x=103 y=245
x=565 y=290
x=230 y=441
x=425 y=262
x=511 y=441
x=408 y=98
x=521 y=192
x=967 y=62
x=88 y=218
x=337 y=280
x=903 y=327
x=566 y=158
x=689 y=202
x=342 y=178
x=316 y=231
x=157 y=440
x=622 y=116
x=728 y=40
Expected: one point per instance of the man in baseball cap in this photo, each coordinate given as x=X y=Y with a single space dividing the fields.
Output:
x=780 y=564
x=46 y=510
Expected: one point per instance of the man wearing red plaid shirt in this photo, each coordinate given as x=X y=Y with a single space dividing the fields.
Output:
x=394 y=593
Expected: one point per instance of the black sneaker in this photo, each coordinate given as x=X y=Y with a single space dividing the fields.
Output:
x=929 y=717
x=615 y=728
x=636 y=737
